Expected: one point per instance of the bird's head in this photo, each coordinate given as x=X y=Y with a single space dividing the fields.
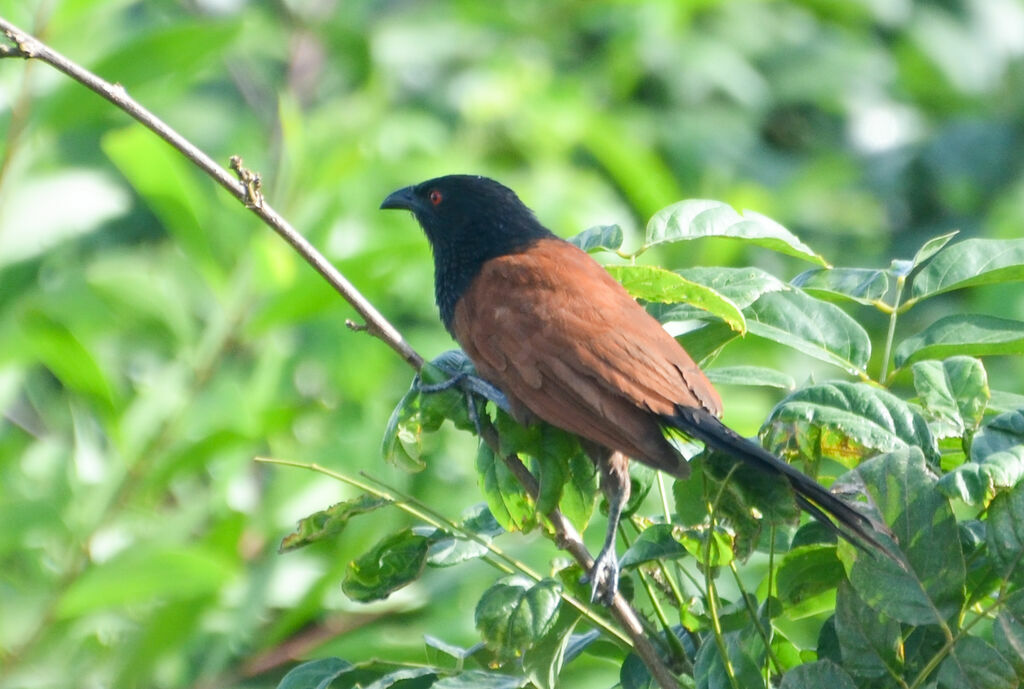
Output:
x=468 y=220
x=469 y=214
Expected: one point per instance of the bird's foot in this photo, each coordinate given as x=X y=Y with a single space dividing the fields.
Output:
x=603 y=577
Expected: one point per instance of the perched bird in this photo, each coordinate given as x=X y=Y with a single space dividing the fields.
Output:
x=549 y=327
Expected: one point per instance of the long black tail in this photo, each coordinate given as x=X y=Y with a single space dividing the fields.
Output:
x=814 y=498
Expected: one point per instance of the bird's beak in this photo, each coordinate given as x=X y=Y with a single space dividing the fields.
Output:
x=404 y=198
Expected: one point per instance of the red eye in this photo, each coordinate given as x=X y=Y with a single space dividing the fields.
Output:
x=435 y=197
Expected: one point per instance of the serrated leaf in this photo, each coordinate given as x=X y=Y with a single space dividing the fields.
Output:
x=741 y=286
x=316 y=674
x=953 y=393
x=929 y=586
x=516 y=613
x=750 y=375
x=869 y=640
x=974 y=664
x=696 y=218
x=330 y=522
x=813 y=327
x=862 y=285
x=654 y=543
x=845 y=422
x=967 y=334
x=395 y=562
x=654 y=284
x=599 y=238
x=997 y=461
x=817 y=675
x=969 y=263
x=1004 y=533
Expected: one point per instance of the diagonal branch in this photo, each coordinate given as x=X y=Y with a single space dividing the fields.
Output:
x=247 y=191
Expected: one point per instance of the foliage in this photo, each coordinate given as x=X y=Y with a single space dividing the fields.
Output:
x=153 y=340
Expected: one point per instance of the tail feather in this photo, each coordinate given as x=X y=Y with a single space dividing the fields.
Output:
x=814 y=498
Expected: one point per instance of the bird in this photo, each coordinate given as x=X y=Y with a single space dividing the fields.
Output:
x=565 y=343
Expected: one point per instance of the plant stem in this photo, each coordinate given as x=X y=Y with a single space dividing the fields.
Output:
x=900 y=282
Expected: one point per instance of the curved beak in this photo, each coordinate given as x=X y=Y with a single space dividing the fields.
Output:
x=403 y=199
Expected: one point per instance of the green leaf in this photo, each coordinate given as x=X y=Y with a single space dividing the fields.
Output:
x=817 y=675
x=599 y=238
x=580 y=492
x=506 y=498
x=1004 y=533
x=930 y=588
x=968 y=334
x=807 y=571
x=448 y=549
x=543 y=661
x=954 y=394
x=845 y=422
x=709 y=669
x=997 y=461
x=974 y=664
x=554 y=447
x=402 y=433
x=393 y=563
x=480 y=679
x=932 y=247
x=145 y=576
x=316 y=674
x=514 y=614
x=1008 y=630
x=66 y=357
x=816 y=328
x=654 y=284
x=696 y=218
x=654 y=543
x=969 y=263
x=862 y=285
x=869 y=640
x=405 y=676
x=741 y=286
x=330 y=522
x=750 y=375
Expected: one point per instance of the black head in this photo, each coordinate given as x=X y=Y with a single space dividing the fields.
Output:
x=468 y=220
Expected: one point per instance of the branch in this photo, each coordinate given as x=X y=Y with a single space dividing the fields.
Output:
x=247 y=190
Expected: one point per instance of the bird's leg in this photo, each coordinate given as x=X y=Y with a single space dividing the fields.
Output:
x=469 y=383
x=604 y=574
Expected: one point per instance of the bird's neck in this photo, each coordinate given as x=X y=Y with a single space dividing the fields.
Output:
x=457 y=264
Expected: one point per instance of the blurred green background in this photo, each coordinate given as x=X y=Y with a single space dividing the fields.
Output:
x=154 y=337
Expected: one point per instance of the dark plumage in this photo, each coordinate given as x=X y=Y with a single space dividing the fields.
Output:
x=547 y=325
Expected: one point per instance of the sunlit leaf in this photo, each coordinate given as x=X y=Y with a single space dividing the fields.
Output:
x=506 y=498
x=599 y=238
x=845 y=422
x=696 y=218
x=967 y=334
x=316 y=674
x=953 y=393
x=750 y=375
x=997 y=461
x=862 y=285
x=654 y=284
x=969 y=263
x=480 y=679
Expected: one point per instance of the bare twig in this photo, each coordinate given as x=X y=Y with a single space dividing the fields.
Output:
x=248 y=192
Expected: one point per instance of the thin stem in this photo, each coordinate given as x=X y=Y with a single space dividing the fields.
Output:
x=900 y=282
x=752 y=611
x=711 y=595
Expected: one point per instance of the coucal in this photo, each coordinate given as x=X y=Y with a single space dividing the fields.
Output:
x=547 y=325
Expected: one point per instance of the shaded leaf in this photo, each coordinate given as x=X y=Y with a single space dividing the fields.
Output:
x=451 y=549
x=543 y=661
x=817 y=675
x=1005 y=533
x=967 y=334
x=480 y=679
x=654 y=543
x=997 y=461
x=316 y=674
x=696 y=218
x=929 y=586
x=816 y=328
x=580 y=492
x=845 y=422
x=654 y=284
x=806 y=571
x=599 y=238
x=404 y=676
x=954 y=394
x=516 y=613
x=862 y=285
x=393 y=563
x=974 y=664
x=969 y=263
x=869 y=640
x=1008 y=630
x=709 y=669
x=330 y=522
x=506 y=498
